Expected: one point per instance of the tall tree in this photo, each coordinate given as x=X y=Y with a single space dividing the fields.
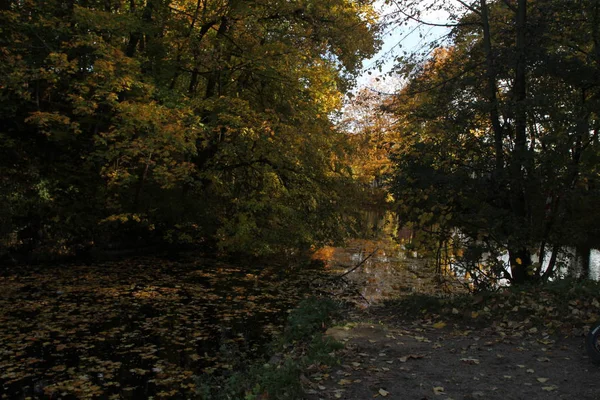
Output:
x=499 y=113
x=186 y=120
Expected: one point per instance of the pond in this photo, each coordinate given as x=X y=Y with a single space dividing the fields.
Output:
x=382 y=270
x=138 y=328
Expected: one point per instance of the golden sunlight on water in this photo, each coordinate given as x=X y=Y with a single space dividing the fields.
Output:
x=381 y=270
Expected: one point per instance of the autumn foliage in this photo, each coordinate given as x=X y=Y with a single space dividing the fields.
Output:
x=188 y=122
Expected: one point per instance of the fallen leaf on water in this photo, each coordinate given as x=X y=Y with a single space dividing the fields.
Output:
x=438 y=390
x=549 y=388
x=383 y=392
x=439 y=325
x=542 y=380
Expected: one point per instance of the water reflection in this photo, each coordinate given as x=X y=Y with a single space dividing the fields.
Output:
x=382 y=270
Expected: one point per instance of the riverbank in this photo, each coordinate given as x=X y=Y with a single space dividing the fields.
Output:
x=516 y=344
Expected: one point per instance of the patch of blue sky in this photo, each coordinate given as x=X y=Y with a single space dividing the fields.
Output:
x=401 y=35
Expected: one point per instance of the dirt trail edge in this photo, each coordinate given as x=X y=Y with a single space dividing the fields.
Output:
x=420 y=360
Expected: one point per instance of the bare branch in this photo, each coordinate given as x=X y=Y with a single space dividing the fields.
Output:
x=422 y=22
x=470 y=8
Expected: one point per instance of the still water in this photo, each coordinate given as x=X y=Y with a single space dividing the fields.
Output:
x=382 y=270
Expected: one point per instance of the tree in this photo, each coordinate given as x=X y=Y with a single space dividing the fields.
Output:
x=187 y=121
x=497 y=130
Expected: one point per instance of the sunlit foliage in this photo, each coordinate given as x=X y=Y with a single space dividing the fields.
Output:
x=186 y=121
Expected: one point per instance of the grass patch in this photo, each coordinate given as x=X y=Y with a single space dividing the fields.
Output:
x=278 y=377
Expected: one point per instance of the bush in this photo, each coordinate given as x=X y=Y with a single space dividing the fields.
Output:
x=309 y=317
x=302 y=344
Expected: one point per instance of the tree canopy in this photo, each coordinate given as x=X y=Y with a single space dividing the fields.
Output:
x=499 y=134
x=190 y=121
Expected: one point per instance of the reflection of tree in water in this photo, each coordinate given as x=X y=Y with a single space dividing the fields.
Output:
x=388 y=272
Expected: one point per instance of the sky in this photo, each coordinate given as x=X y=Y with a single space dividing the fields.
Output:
x=395 y=40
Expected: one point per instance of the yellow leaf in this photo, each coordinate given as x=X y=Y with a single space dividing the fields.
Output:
x=439 y=325
x=438 y=390
x=518 y=261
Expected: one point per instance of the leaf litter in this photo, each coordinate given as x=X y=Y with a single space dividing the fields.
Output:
x=136 y=328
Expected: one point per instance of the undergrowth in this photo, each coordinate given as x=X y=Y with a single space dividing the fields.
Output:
x=301 y=345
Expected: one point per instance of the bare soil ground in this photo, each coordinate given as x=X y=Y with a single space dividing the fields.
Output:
x=420 y=360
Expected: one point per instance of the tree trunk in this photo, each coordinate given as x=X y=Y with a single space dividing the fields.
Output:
x=582 y=260
x=520 y=257
x=136 y=37
x=520 y=261
x=215 y=76
x=492 y=91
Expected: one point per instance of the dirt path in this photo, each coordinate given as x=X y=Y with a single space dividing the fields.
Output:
x=437 y=361
x=510 y=355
